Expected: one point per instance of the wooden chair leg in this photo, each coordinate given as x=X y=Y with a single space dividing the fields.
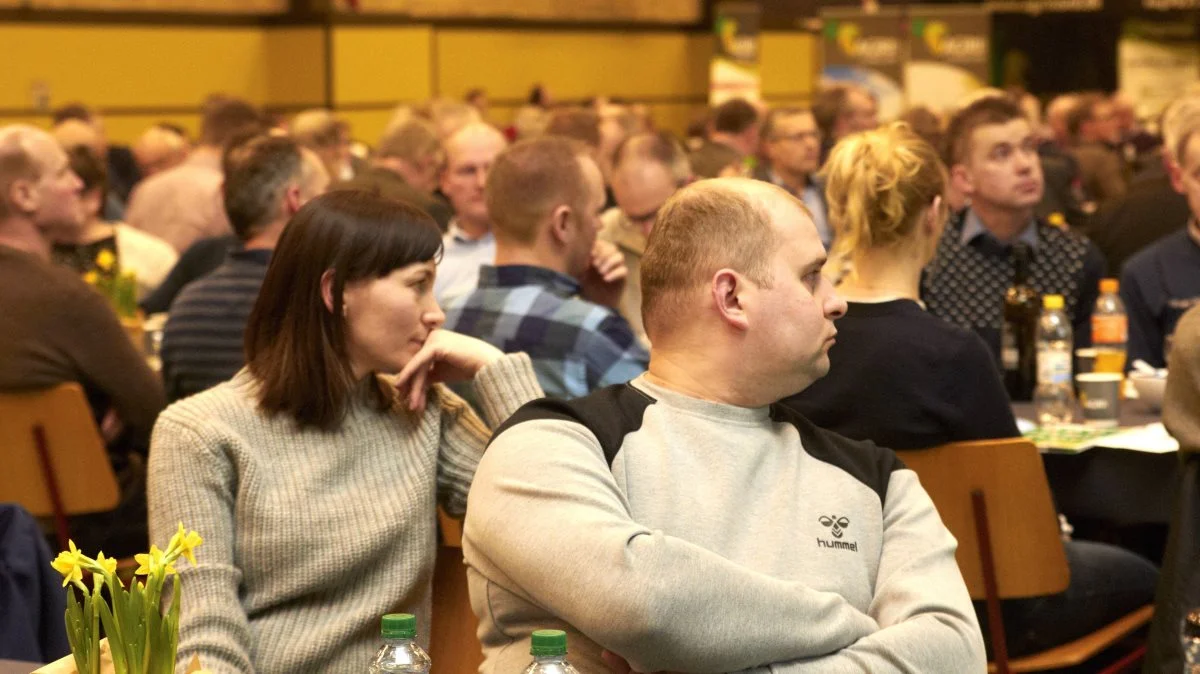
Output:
x=60 y=517
x=987 y=561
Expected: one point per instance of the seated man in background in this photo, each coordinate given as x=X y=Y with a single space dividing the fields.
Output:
x=267 y=179
x=648 y=169
x=1162 y=282
x=327 y=136
x=58 y=329
x=1152 y=208
x=687 y=522
x=732 y=130
x=468 y=242
x=183 y=204
x=159 y=148
x=553 y=291
x=1094 y=127
x=793 y=149
x=405 y=168
x=994 y=163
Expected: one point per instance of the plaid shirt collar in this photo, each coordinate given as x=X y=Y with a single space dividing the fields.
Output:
x=514 y=275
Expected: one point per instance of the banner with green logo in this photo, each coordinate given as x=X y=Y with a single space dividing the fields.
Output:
x=734 y=70
x=949 y=50
x=867 y=50
x=1157 y=61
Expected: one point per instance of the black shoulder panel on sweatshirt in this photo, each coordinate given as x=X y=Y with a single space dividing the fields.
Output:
x=865 y=461
x=609 y=413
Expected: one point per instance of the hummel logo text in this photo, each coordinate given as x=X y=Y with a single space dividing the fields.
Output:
x=837 y=526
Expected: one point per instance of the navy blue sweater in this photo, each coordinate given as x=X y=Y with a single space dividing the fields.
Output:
x=1158 y=285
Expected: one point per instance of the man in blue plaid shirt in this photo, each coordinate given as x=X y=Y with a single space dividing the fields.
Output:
x=553 y=290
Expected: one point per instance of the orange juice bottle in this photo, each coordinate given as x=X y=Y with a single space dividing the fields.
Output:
x=1110 y=329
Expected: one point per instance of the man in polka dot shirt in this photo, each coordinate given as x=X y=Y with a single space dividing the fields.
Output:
x=993 y=160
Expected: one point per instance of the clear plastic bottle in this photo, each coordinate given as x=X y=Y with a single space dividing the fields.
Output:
x=1191 y=642
x=549 y=651
x=1054 y=397
x=1110 y=328
x=400 y=652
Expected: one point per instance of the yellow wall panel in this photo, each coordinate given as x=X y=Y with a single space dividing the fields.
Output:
x=295 y=64
x=389 y=63
x=789 y=64
x=681 y=11
x=214 y=6
x=366 y=125
x=130 y=65
x=573 y=64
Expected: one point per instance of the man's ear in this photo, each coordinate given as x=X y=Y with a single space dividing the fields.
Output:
x=1174 y=172
x=560 y=224
x=962 y=180
x=22 y=194
x=728 y=293
x=291 y=200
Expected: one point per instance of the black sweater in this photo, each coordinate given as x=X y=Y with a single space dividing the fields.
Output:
x=907 y=380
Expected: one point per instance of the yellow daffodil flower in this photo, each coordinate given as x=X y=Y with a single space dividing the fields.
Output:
x=152 y=562
x=92 y=278
x=105 y=260
x=1057 y=220
x=69 y=564
x=187 y=541
x=108 y=565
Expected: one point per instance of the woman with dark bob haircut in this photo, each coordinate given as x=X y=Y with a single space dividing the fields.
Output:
x=314 y=475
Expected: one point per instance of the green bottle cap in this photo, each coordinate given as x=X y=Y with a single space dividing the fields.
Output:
x=399 y=626
x=548 y=643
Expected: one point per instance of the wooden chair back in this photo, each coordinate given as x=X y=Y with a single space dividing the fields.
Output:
x=55 y=460
x=453 y=642
x=1025 y=539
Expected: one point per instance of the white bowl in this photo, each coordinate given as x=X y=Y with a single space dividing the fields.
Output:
x=1149 y=388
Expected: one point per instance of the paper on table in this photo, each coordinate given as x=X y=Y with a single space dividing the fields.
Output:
x=1151 y=438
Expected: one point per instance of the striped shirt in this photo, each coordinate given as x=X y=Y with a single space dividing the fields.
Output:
x=202 y=341
x=576 y=346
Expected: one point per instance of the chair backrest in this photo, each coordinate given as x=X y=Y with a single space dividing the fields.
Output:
x=1026 y=543
x=75 y=451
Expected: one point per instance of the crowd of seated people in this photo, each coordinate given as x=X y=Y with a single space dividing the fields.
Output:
x=679 y=356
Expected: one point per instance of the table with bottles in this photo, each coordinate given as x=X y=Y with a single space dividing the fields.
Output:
x=1117 y=486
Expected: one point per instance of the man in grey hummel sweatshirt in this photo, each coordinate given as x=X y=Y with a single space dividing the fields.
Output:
x=684 y=521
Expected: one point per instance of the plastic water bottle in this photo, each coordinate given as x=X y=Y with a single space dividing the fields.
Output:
x=1110 y=328
x=1054 y=397
x=1191 y=643
x=400 y=653
x=549 y=651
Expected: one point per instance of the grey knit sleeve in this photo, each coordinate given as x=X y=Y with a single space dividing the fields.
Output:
x=190 y=480
x=503 y=386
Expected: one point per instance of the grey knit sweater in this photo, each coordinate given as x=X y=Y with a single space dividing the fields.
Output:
x=311 y=536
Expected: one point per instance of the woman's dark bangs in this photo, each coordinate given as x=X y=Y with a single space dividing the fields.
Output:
x=401 y=235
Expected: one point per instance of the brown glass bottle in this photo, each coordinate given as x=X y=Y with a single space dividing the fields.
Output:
x=1018 y=336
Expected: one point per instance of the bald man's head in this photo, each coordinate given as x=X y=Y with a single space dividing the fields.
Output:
x=470 y=152
x=76 y=133
x=707 y=226
x=159 y=149
x=36 y=182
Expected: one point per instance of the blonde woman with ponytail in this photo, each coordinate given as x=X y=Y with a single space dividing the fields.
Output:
x=898 y=376
x=909 y=380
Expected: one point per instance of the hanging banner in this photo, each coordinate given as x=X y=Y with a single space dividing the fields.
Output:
x=867 y=50
x=1157 y=61
x=949 y=50
x=734 y=70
